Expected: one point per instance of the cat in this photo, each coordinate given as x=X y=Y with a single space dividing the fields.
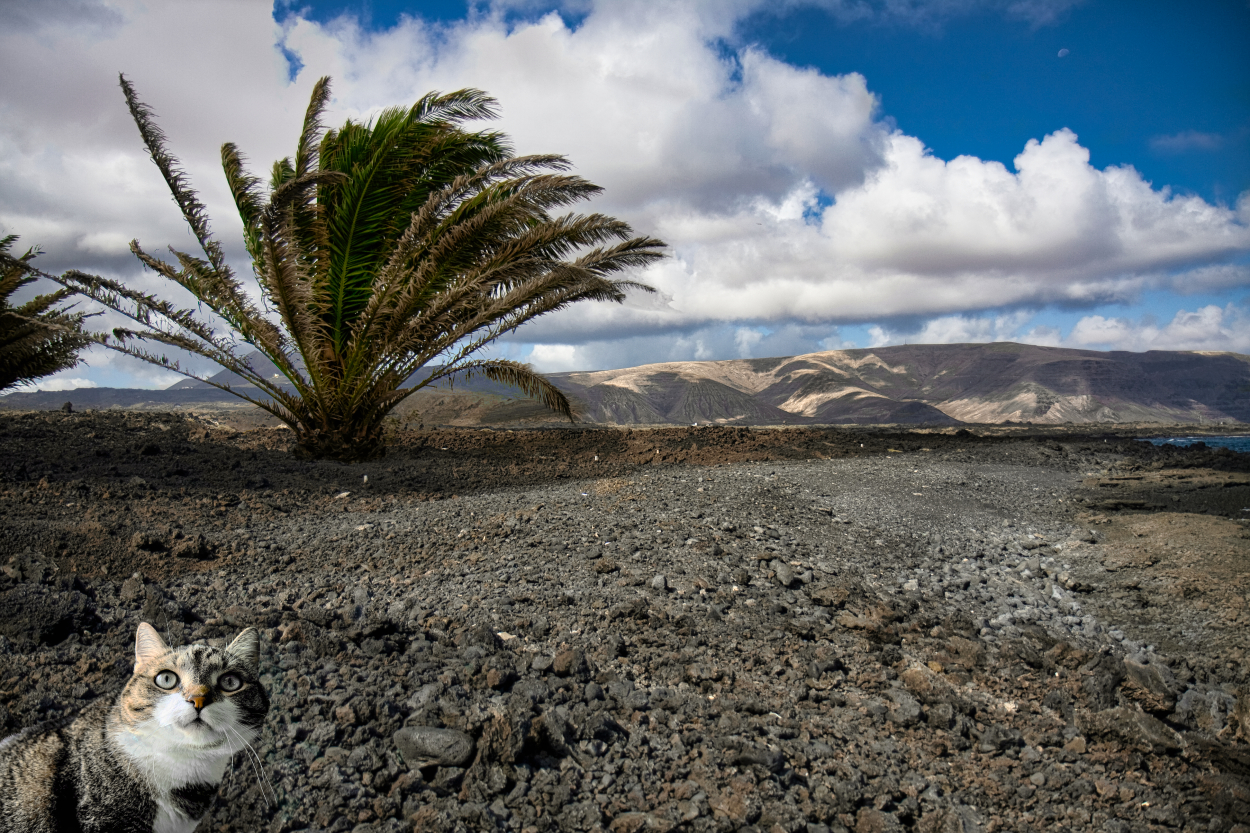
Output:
x=149 y=761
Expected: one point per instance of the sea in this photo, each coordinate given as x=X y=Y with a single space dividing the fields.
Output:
x=1237 y=442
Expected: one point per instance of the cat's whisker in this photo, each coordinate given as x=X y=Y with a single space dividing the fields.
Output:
x=232 y=763
x=243 y=748
x=258 y=766
x=240 y=747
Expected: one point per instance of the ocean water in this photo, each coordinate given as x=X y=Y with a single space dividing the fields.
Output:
x=1239 y=443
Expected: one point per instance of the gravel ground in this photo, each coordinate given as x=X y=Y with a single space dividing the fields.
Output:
x=682 y=629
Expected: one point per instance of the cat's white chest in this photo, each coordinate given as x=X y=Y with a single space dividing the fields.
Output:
x=168 y=765
x=169 y=820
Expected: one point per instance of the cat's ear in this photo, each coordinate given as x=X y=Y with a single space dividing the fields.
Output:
x=148 y=645
x=246 y=646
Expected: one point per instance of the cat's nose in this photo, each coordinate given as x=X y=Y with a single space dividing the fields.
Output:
x=198 y=696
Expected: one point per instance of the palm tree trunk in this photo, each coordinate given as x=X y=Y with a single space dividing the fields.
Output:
x=347 y=443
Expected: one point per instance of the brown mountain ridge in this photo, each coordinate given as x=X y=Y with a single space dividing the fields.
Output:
x=926 y=383
x=939 y=384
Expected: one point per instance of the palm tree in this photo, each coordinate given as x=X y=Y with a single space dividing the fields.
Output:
x=379 y=248
x=37 y=338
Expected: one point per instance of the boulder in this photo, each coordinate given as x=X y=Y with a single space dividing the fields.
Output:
x=1132 y=726
x=423 y=746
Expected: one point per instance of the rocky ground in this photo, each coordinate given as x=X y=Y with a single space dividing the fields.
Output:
x=704 y=629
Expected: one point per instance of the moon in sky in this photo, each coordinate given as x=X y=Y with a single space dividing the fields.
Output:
x=1063 y=52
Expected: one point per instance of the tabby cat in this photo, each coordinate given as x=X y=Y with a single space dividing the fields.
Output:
x=149 y=761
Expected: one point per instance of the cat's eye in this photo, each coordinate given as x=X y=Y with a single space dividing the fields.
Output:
x=166 y=680
x=230 y=682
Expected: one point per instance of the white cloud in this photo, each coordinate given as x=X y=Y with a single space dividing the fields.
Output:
x=55 y=382
x=746 y=340
x=926 y=237
x=555 y=358
x=718 y=341
x=61 y=14
x=1041 y=12
x=101 y=367
x=637 y=96
x=1211 y=327
x=956 y=329
x=1056 y=228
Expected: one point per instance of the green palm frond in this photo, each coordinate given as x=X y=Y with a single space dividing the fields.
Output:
x=246 y=190
x=308 y=150
x=40 y=337
x=394 y=164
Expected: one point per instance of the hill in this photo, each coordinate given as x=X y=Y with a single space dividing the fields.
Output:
x=926 y=383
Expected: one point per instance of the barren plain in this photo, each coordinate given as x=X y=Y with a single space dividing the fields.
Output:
x=705 y=629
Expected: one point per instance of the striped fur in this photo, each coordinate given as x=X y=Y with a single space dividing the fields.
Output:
x=148 y=761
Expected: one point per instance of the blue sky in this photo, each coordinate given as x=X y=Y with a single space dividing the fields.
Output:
x=830 y=174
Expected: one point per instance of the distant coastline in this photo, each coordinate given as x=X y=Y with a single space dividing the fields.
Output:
x=1237 y=442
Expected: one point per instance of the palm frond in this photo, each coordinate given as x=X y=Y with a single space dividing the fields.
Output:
x=282 y=171
x=245 y=189
x=39 y=337
x=309 y=140
x=193 y=211
x=462 y=105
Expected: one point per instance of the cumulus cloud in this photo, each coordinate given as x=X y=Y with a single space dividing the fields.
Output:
x=108 y=369
x=746 y=340
x=718 y=341
x=1212 y=327
x=1055 y=228
x=638 y=96
x=790 y=203
x=555 y=358
x=956 y=329
x=59 y=381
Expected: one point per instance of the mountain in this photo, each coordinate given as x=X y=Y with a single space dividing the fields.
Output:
x=926 y=383
x=939 y=384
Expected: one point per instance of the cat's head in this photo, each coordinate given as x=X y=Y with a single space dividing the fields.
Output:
x=195 y=696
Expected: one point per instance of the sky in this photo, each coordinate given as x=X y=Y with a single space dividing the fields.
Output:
x=828 y=174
